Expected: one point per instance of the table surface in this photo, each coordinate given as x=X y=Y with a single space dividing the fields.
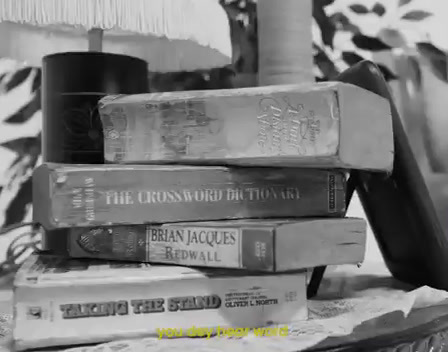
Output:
x=386 y=331
x=391 y=331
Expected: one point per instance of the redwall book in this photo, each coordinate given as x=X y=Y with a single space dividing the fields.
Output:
x=257 y=245
x=98 y=195
x=58 y=301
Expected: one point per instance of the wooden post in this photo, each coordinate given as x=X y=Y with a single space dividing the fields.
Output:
x=286 y=57
x=285 y=41
x=95 y=37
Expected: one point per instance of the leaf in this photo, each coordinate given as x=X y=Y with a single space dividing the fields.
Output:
x=437 y=59
x=26 y=112
x=18 y=78
x=239 y=64
x=37 y=81
x=233 y=11
x=28 y=150
x=387 y=73
x=359 y=9
x=351 y=58
x=342 y=22
x=414 y=67
x=416 y=15
x=404 y=2
x=369 y=43
x=430 y=50
x=392 y=37
x=326 y=66
x=327 y=27
x=379 y=9
x=17 y=209
x=322 y=3
x=24 y=146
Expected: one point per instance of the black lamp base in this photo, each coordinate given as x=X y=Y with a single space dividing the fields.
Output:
x=72 y=84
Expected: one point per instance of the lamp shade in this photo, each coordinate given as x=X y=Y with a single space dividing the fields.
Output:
x=171 y=35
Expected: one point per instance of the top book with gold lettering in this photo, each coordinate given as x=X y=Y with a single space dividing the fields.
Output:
x=319 y=125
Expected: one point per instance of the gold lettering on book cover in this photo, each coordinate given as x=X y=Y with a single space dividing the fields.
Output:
x=139 y=306
x=175 y=255
x=203 y=195
x=84 y=198
x=193 y=245
x=248 y=299
x=211 y=237
x=284 y=125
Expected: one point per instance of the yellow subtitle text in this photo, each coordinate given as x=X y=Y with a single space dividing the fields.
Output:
x=196 y=331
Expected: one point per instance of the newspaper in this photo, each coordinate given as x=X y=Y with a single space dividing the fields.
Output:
x=326 y=318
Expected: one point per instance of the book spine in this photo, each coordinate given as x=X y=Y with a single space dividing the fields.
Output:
x=220 y=247
x=80 y=314
x=120 y=197
x=265 y=247
x=299 y=124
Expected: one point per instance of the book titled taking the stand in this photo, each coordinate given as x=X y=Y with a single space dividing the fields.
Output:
x=58 y=301
x=98 y=195
x=256 y=245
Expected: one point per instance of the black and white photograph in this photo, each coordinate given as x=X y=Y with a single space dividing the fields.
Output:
x=223 y=175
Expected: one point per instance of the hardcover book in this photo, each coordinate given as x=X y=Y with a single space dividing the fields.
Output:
x=98 y=195
x=257 y=245
x=323 y=125
x=64 y=302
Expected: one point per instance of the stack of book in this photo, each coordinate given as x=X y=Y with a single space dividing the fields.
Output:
x=230 y=195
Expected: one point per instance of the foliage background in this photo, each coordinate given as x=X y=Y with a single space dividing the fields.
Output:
x=339 y=42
